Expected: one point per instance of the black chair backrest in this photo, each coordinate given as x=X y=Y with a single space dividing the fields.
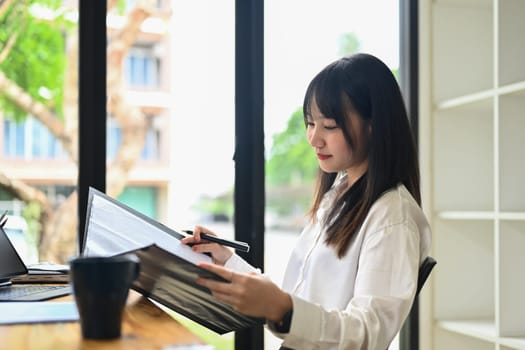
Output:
x=424 y=271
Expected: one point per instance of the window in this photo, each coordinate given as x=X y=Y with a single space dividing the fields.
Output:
x=151 y=150
x=14 y=139
x=142 y=67
x=29 y=139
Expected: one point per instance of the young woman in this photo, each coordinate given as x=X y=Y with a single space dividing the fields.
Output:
x=352 y=276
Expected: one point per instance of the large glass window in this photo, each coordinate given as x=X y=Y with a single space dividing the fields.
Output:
x=301 y=37
x=170 y=129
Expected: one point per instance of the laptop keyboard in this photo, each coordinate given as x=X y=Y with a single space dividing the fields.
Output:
x=33 y=292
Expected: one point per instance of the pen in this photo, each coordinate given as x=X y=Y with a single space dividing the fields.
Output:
x=238 y=245
x=2 y=221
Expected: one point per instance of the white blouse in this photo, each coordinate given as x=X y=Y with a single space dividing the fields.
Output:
x=361 y=300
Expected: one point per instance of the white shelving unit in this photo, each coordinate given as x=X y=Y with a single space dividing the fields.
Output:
x=473 y=117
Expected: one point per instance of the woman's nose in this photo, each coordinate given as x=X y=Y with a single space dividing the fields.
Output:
x=315 y=138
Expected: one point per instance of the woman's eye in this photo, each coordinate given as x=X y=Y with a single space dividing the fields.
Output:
x=331 y=127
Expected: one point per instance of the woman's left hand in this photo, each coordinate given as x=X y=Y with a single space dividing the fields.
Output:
x=250 y=294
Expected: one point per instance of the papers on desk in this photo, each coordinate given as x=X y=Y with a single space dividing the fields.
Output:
x=38 y=312
x=168 y=268
x=44 y=273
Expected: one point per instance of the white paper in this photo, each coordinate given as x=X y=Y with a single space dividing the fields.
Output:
x=112 y=230
x=38 y=312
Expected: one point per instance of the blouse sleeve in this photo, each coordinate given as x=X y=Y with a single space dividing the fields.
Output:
x=384 y=291
x=236 y=263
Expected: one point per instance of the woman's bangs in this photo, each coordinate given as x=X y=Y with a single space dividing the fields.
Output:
x=326 y=93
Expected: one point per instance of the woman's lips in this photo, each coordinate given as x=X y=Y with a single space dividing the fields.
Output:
x=323 y=156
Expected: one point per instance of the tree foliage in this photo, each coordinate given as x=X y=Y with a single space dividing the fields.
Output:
x=291 y=158
x=24 y=30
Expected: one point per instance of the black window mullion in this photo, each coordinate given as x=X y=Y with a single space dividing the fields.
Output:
x=409 y=82
x=249 y=197
x=91 y=104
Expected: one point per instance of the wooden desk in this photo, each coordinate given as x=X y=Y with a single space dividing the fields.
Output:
x=145 y=326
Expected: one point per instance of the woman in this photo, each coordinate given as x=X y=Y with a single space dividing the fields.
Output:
x=351 y=279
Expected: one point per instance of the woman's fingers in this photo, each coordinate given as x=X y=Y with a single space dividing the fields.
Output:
x=188 y=240
x=197 y=230
x=224 y=272
x=219 y=253
x=206 y=248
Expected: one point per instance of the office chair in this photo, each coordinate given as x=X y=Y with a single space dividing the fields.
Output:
x=410 y=340
x=424 y=271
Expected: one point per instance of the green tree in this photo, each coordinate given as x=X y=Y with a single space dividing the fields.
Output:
x=290 y=169
x=40 y=73
x=291 y=159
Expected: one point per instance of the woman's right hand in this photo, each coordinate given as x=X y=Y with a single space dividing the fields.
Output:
x=220 y=254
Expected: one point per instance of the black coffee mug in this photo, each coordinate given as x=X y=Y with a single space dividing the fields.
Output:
x=100 y=289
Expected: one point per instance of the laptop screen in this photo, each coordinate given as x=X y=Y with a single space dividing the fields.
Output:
x=11 y=264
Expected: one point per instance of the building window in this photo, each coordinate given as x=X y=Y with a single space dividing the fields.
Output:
x=142 y=67
x=14 y=138
x=31 y=140
x=151 y=150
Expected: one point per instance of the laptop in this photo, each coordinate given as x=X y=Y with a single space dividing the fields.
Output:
x=12 y=266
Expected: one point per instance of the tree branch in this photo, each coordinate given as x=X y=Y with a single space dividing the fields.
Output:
x=7 y=48
x=131 y=120
x=4 y=6
x=24 y=192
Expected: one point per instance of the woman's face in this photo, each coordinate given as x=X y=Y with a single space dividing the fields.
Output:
x=333 y=151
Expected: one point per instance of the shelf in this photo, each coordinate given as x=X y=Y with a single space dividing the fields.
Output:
x=512 y=343
x=466 y=215
x=483 y=330
x=479 y=329
x=517 y=89
x=481 y=215
x=473 y=132
x=465 y=100
x=466 y=335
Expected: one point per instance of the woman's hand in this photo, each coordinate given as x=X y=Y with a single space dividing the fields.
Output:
x=250 y=294
x=219 y=253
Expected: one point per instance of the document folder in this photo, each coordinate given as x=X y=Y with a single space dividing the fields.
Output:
x=168 y=268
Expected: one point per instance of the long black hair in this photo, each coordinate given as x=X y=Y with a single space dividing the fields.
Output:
x=363 y=84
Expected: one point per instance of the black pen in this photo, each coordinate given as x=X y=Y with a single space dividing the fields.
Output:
x=2 y=221
x=238 y=245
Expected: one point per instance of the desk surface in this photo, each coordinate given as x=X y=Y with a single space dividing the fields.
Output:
x=145 y=326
